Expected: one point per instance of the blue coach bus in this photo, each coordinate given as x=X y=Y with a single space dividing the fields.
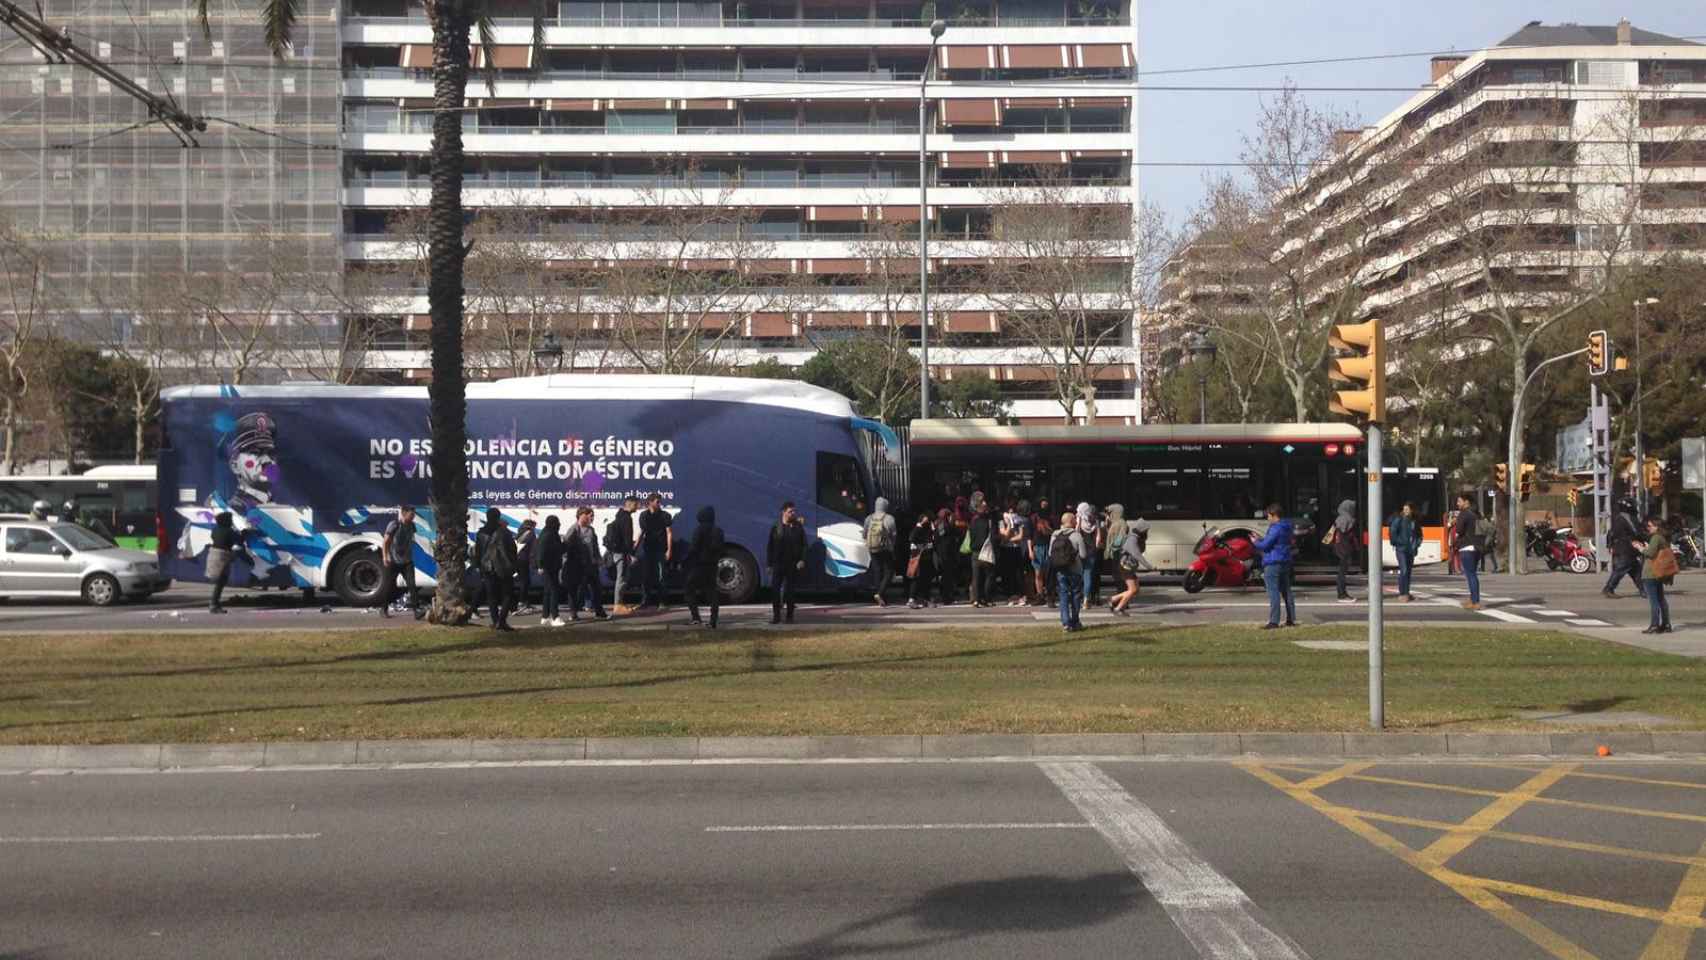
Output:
x=313 y=473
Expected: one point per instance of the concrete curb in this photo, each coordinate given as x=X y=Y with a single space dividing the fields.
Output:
x=382 y=753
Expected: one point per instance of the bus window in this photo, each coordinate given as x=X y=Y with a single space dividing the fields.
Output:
x=1163 y=493
x=1234 y=493
x=841 y=485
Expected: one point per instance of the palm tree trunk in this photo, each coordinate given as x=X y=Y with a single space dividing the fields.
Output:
x=446 y=397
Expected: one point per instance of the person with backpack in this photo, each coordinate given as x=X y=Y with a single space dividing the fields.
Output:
x=1279 y=551
x=1067 y=552
x=222 y=549
x=397 y=554
x=1345 y=542
x=1089 y=528
x=785 y=555
x=494 y=557
x=703 y=551
x=1624 y=556
x=920 y=563
x=1468 y=545
x=880 y=538
x=548 y=559
x=1488 y=532
x=582 y=560
x=1128 y=557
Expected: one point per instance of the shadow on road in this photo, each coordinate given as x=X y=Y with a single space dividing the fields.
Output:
x=1030 y=904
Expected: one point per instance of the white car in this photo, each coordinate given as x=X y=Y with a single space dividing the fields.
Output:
x=54 y=559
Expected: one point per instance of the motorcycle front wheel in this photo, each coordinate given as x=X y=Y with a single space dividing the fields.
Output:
x=1194 y=581
x=1581 y=563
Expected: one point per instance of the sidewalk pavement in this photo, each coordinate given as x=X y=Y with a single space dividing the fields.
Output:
x=391 y=753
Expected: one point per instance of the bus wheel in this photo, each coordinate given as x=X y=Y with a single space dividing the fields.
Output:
x=1194 y=581
x=737 y=576
x=359 y=577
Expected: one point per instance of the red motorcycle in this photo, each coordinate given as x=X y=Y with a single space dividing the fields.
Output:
x=1223 y=560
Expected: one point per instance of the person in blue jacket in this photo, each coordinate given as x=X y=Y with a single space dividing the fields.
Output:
x=1277 y=556
x=1406 y=537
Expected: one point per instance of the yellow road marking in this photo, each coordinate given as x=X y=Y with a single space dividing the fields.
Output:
x=1442 y=850
x=1587 y=903
x=1670 y=942
x=1537 y=933
x=1331 y=776
x=1685 y=784
x=1551 y=801
x=1536 y=839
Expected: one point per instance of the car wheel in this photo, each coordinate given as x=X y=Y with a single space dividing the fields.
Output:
x=359 y=577
x=1581 y=563
x=1194 y=581
x=101 y=590
x=737 y=576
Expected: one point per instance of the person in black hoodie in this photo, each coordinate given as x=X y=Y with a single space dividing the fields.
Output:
x=921 y=563
x=786 y=557
x=548 y=556
x=703 y=552
x=221 y=551
x=581 y=558
x=946 y=547
x=494 y=557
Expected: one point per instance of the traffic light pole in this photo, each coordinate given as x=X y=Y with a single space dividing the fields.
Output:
x=1515 y=542
x=1376 y=585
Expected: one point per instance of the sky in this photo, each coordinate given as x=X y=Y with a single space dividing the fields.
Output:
x=1199 y=127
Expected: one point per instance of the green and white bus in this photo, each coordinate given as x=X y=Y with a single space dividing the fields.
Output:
x=123 y=498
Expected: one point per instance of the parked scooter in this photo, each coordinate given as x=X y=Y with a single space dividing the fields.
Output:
x=1559 y=547
x=1686 y=541
x=1223 y=560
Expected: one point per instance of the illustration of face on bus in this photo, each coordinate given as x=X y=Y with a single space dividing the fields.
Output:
x=249 y=453
x=281 y=547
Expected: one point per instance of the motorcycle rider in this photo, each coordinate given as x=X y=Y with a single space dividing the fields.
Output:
x=1625 y=560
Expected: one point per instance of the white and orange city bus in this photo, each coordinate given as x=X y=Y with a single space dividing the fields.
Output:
x=1183 y=479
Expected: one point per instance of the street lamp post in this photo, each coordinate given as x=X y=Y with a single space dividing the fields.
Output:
x=937 y=28
x=1202 y=351
x=1640 y=445
x=549 y=349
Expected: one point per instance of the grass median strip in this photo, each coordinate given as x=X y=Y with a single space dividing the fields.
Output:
x=430 y=683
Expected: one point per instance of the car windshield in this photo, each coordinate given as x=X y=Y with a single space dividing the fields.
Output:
x=81 y=538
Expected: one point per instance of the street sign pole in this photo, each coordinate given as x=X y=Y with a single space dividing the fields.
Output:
x=1599 y=420
x=1376 y=586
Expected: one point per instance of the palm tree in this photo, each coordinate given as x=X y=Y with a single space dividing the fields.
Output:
x=453 y=22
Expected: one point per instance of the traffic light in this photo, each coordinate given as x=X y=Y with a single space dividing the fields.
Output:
x=1525 y=480
x=1501 y=476
x=1653 y=475
x=1599 y=353
x=1366 y=364
x=1573 y=495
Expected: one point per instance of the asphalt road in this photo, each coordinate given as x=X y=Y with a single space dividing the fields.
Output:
x=1560 y=600
x=1067 y=858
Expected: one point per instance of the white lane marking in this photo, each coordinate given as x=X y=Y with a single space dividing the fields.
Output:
x=182 y=838
x=1209 y=909
x=864 y=827
x=1506 y=616
x=1554 y=613
x=1588 y=622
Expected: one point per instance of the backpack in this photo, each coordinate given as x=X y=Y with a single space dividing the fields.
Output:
x=1061 y=553
x=493 y=560
x=877 y=536
x=1484 y=529
x=610 y=536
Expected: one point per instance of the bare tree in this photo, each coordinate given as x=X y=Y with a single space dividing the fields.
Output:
x=528 y=280
x=25 y=319
x=684 y=273
x=1069 y=268
x=1525 y=230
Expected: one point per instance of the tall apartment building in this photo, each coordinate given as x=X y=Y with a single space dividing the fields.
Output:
x=781 y=138
x=1514 y=177
x=114 y=203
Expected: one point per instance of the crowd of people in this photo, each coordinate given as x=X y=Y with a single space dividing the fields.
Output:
x=972 y=552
